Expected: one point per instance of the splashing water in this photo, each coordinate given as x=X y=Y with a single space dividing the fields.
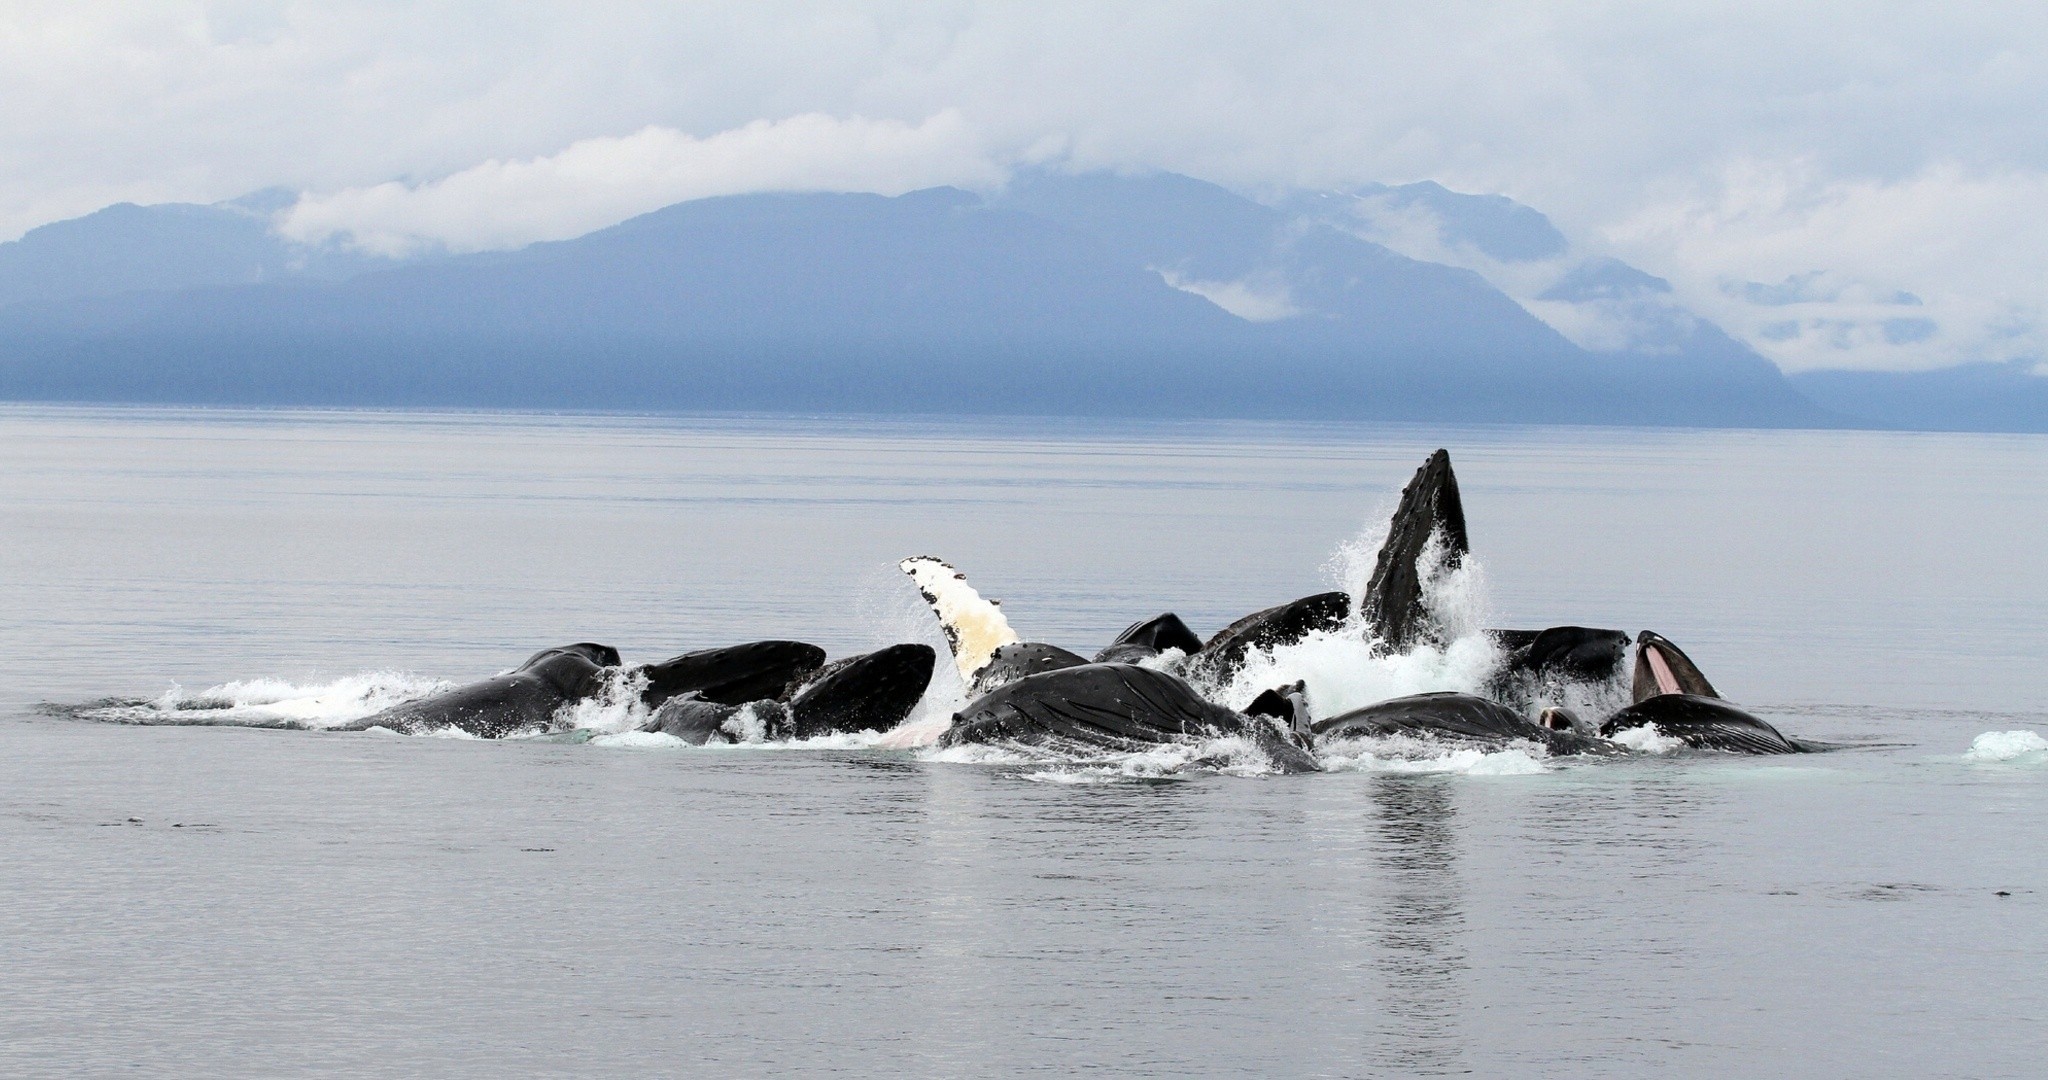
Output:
x=1228 y=756
x=1349 y=668
x=1416 y=754
x=272 y=702
x=1648 y=740
x=615 y=709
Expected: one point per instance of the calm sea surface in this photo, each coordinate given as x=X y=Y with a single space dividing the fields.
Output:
x=228 y=901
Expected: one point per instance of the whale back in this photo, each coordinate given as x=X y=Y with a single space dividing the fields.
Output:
x=871 y=692
x=1121 y=708
x=1020 y=658
x=1150 y=638
x=1704 y=723
x=1282 y=624
x=733 y=675
x=1459 y=717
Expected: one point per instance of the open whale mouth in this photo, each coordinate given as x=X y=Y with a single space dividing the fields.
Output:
x=1663 y=668
x=1660 y=670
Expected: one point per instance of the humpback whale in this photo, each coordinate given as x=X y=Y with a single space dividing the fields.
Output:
x=1018 y=659
x=1119 y=708
x=527 y=697
x=1430 y=520
x=733 y=674
x=1536 y=661
x=1282 y=624
x=1672 y=695
x=1147 y=639
x=523 y=699
x=1460 y=718
x=1394 y=607
x=871 y=692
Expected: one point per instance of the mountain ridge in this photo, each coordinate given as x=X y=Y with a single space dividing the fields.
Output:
x=1088 y=294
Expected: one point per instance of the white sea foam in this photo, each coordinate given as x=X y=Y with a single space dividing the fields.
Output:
x=637 y=740
x=263 y=702
x=447 y=732
x=978 y=754
x=1408 y=754
x=615 y=708
x=1230 y=756
x=2023 y=747
x=1346 y=668
x=1648 y=740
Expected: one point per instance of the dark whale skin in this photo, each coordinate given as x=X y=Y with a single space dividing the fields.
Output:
x=1282 y=624
x=1460 y=717
x=1120 y=708
x=1705 y=723
x=1143 y=640
x=1393 y=607
x=524 y=699
x=734 y=674
x=871 y=692
x=1020 y=658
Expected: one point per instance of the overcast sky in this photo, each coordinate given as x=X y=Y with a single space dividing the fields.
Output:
x=1842 y=153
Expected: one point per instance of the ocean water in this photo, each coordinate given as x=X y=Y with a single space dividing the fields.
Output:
x=223 y=900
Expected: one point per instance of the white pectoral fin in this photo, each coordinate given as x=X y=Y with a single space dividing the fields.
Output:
x=975 y=627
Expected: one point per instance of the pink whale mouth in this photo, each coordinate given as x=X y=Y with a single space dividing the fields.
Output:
x=1660 y=669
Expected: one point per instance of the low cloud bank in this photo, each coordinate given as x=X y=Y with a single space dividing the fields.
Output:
x=593 y=183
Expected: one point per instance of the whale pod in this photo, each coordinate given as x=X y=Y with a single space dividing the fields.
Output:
x=870 y=692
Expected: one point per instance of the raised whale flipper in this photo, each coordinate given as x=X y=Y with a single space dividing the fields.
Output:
x=871 y=692
x=1121 y=708
x=1393 y=609
x=733 y=675
x=1663 y=668
x=1705 y=723
x=1151 y=637
x=1283 y=624
x=975 y=628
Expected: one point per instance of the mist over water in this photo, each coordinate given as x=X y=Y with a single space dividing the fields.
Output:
x=603 y=901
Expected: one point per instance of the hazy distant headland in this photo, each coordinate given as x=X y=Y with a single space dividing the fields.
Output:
x=1093 y=294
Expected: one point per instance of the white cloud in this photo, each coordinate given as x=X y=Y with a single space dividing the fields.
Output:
x=1942 y=267
x=1252 y=299
x=597 y=182
x=1903 y=138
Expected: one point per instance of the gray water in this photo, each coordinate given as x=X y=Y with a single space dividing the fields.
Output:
x=190 y=901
